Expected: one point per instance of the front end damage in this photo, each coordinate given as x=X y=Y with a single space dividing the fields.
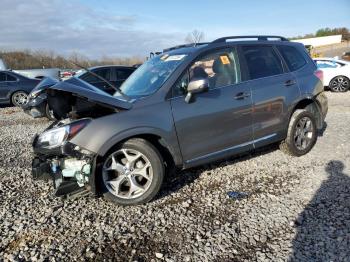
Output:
x=69 y=166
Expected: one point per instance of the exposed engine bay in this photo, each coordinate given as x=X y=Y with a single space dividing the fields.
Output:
x=67 y=105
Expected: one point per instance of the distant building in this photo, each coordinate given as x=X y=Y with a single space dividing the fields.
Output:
x=320 y=41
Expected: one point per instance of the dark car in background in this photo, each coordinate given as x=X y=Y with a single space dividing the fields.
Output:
x=37 y=104
x=188 y=106
x=114 y=74
x=14 y=88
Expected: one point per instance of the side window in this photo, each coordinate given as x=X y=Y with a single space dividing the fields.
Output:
x=262 y=61
x=2 y=77
x=221 y=68
x=123 y=74
x=326 y=64
x=11 y=78
x=105 y=73
x=292 y=56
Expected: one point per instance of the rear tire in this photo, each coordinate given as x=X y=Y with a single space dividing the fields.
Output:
x=132 y=173
x=19 y=98
x=302 y=133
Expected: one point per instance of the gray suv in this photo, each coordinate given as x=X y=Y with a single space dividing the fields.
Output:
x=190 y=105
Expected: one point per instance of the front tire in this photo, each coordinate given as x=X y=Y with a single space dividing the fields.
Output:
x=49 y=113
x=19 y=98
x=339 y=84
x=302 y=133
x=132 y=173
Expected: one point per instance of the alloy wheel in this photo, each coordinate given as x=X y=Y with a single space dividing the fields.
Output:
x=19 y=98
x=339 y=84
x=127 y=173
x=304 y=132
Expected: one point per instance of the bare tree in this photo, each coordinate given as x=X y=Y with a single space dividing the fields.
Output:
x=194 y=37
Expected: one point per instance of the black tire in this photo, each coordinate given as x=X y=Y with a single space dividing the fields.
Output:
x=339 y=84
x=49 y=114
x=289 y=145
x=15 y=98
x=157 y=164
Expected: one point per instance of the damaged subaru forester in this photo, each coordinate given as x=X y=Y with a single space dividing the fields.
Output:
x=189 y=105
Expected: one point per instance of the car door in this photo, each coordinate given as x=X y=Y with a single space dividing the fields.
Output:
x=218 y=122
x=4 y=88
x=273 y=89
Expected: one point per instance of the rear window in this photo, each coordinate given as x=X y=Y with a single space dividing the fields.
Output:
x=123 y=74
x=262 y=61
x=105 y=73
x=11 y=78
x=292 y=56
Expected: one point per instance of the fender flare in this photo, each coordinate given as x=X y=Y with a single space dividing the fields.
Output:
x=172 y=146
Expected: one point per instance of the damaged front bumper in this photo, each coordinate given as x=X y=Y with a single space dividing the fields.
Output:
x=69 y=167
x=36 y=107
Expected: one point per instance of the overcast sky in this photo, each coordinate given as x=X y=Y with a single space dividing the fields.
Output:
x=127 y=28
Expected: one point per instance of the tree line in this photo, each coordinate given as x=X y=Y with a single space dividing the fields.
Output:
x=28 y=59
x=327 y=32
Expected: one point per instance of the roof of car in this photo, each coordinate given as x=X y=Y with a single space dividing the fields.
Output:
x=118 y=66
x=230 y=40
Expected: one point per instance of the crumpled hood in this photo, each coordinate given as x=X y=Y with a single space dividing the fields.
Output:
x=80 y=88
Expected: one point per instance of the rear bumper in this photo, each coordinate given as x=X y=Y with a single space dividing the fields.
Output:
x=322 y=102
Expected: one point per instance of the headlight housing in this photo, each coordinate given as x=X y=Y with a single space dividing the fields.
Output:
x=54 y=137
x=57 y=136
x=35 y=93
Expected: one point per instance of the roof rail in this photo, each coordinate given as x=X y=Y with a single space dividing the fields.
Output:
x=258 y=37
x=184 y=45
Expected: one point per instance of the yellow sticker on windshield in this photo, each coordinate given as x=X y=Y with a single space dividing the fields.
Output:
x=224 y=60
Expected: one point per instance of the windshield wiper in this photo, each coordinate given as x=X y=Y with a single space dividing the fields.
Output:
x=101 y=78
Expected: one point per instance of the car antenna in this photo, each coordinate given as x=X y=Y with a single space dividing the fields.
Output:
x=101 y=78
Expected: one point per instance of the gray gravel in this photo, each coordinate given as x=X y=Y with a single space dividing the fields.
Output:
x=297 y=209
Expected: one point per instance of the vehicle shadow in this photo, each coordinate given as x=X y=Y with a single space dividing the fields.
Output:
x=323 y=228
x=5 y=105
x=178 y=179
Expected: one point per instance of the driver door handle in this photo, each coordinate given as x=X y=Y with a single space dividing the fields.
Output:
x=290 y=82
x=241 y=95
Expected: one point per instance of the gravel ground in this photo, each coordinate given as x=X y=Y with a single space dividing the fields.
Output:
x=297 y=209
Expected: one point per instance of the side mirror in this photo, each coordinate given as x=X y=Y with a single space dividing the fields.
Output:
x=196 y=87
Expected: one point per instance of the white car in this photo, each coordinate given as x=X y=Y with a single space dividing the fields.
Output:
x=336 y=73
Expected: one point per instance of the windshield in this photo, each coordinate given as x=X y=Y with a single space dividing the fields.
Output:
x=149 y=77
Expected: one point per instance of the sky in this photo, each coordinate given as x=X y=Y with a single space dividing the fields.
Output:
x=135 y=28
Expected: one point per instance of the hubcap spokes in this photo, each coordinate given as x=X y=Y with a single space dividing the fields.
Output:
x=340 y=84
x=303 y=133
x=21 y=99
x=127 y=173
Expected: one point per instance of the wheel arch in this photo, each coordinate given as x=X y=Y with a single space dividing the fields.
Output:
x=312 y=105
x=169 y=154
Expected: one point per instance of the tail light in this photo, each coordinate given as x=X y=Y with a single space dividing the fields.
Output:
x=319 y=74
